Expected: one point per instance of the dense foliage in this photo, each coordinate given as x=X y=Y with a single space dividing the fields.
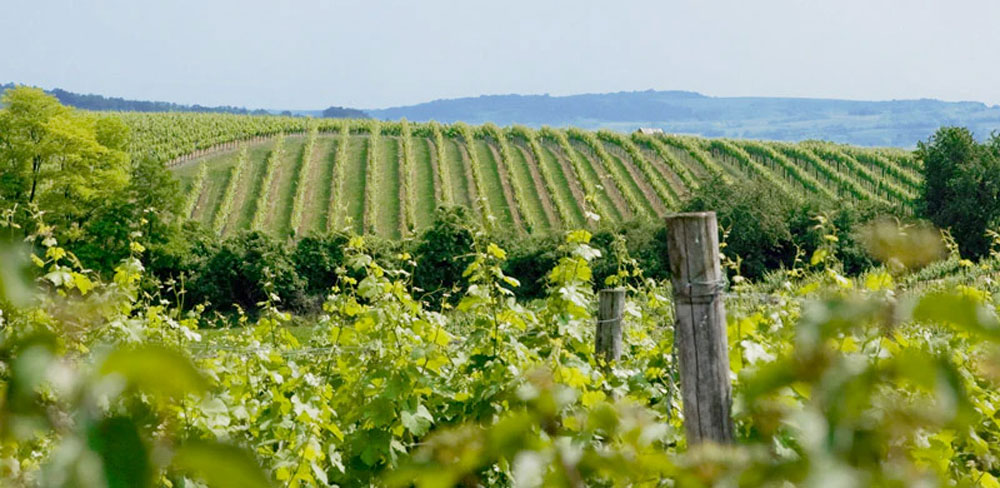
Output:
x=882 y=380
x=962 y=186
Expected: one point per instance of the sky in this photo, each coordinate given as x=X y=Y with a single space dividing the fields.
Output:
x=311 y=54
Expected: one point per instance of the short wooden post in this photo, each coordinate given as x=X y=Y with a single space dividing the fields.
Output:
x=700 y=330
x=608 y=339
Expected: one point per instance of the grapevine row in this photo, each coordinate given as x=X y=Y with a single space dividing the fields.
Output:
x=263 y=196
x=635 y=203
x=820 y=165
x=563 y=207
x=477 y=178
x=854 y=167
x=336 y=184
x=749 y=164
x=803 y=178
x=580 y=172
x=408 y=218
x=663 y=190
x=444 y=173
x=196 y=189
x=372 y=178
x=663 y=153
x=225 y=207
x=698 y=154
x=506 y=163
x=299 y=184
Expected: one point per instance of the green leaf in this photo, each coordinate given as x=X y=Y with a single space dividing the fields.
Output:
x=156 y=370
x=220 y=465
x=123 y=454
x=960 y=310
x=417 y=422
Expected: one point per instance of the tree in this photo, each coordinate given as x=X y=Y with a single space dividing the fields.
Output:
x=961 y=188
x=65 y=161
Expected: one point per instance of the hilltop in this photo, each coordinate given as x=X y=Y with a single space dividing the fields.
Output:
x=898 y=123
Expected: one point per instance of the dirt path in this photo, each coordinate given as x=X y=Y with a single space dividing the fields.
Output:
x=540 y=189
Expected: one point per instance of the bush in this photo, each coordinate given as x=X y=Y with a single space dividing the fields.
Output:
x=316 y=260
x=442 y=253
x=242 y=270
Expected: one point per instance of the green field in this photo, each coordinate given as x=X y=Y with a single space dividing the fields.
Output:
x=524 y=180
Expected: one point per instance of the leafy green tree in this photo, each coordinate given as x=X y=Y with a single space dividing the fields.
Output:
x=756 y=217
x=66 y=161
x=962 y=186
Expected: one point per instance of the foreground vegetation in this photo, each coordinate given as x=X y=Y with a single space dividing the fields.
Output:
x=883 y=379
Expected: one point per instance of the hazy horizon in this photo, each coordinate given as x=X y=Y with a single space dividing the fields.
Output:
x=370 y=55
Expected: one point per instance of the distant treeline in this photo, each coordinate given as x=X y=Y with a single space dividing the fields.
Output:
x=100 y=102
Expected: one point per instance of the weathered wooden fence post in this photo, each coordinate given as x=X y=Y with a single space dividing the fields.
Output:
x=608 y=340
x=700 y=330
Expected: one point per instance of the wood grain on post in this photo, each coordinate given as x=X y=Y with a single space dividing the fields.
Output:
x=608 y=339
x=700 y=330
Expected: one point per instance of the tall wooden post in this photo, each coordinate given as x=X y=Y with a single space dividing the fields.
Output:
x=608 y=339
x=700 y=331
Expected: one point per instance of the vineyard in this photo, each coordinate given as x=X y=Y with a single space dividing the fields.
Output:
x=294 y=176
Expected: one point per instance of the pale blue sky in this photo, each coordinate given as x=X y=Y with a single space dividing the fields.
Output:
x=307 y=54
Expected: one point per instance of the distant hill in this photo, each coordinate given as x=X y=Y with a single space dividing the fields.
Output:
x=870 y=123
x=100 y=102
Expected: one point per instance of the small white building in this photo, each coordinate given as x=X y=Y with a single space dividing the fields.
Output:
x=649 y=130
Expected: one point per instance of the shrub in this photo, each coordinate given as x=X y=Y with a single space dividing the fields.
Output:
x=443 y=252
x=316 y=261
x=243 y=270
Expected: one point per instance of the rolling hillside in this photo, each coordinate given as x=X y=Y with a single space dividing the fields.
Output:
x=293 y=176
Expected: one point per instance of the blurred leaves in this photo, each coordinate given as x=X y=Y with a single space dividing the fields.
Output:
x=220 y=465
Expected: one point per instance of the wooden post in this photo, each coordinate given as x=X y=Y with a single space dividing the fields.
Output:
x=700 y=331
x=608 y=339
